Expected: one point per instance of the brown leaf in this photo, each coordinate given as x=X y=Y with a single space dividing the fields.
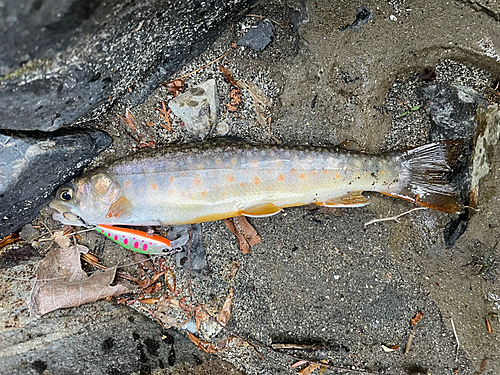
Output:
x=245 y=233
x=203 y=345
x=419 y=315
x=307 y=370
x=260 y=100
x=11 y=238
x=165 y=115
x=175 y=87
x=488 y=325
x=225 y=313
x=227 y=73
x=61 y=282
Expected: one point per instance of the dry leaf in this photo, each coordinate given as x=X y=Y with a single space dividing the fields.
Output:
x=488 y=325
x=11 y=238
x=322 y=370
x=307 y=370
x=389 y=349
x=419 y=315
x=203 y=345
x=245 y=233
x=61 y=239
x=228 y=75
x=225 y=313
x=175 y=87
x=260 y=100
x=61 y=282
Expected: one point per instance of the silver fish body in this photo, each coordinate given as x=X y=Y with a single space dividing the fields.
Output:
x=214 y=180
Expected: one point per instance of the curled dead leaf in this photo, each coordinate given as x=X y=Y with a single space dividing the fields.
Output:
x=225 y=313
x=227 y=73
x=309 y=369
x=488 y=325
x=61 y=282
x=419 y=315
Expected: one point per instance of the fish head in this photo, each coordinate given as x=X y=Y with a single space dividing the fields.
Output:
x=85 y=200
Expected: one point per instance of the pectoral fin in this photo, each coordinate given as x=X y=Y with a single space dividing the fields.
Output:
x=352 y=199
x=266 y=209
x=121 y=207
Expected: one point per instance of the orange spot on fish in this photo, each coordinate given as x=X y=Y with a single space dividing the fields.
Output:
x=183 y=194
x=196 y=181
x=212 y=173
x=281 y=178
x=314 y=173
x=233 y=160
x=256 y=180
x=292 y=171
x=171 y=178
x=255 y=163
x=154 y=186
x=381 y=172
x=201 y=167
x=127 y=183
x=337 y=176
x=324 y=172
x=218 y=161
x=268 y=188
x=224 y=194
x=268 y=172
x=302 y=176
x=230 y=178
x=204 y=193
x=242 y=184
x=279 y=162
x=170 y=192
x=183 y=174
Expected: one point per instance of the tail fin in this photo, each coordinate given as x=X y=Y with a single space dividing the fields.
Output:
x=425 y=174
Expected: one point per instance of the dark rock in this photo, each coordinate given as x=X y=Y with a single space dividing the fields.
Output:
x=453 y=111
x=65 y=61
x=363 y=15
x=299 y=16
x=193 y=250
x=33 y=165
x=258 y=37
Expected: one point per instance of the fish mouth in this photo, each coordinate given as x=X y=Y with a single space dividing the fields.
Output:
x=67 y=218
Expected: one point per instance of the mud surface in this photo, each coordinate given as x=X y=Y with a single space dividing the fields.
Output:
x=321 y=277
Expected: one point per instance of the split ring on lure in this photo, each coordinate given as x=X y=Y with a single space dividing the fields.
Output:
x=140 y=242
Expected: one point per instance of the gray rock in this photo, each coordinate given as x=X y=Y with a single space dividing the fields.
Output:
x=300 y=15
x=452 y=109
x=192 y=251
x=66 y=61
x=198 y=108
x=363 y=15
x=258 y=37
x=33 y=165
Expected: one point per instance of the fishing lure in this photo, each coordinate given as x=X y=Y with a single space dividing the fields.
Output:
x=141 y=242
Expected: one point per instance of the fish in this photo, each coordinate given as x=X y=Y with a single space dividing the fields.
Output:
x=141 y=242
x=212 y=180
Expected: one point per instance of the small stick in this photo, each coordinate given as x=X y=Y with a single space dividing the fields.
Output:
x=456 y=338
x=410 y=340
x=197 y=70
x=395 y=218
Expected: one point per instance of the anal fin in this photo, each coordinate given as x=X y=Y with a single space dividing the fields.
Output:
x=351 y=199
x=119 y=208
x=266 y=209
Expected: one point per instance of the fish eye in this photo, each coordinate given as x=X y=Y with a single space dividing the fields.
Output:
x=66 y=194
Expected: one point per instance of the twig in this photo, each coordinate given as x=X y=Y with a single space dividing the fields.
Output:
x=259 y=16
x=197 y=70
x=456 y=338
x=395 y=218
x=409 y=342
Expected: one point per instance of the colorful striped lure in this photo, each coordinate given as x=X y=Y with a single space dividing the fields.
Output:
x=140 y=242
